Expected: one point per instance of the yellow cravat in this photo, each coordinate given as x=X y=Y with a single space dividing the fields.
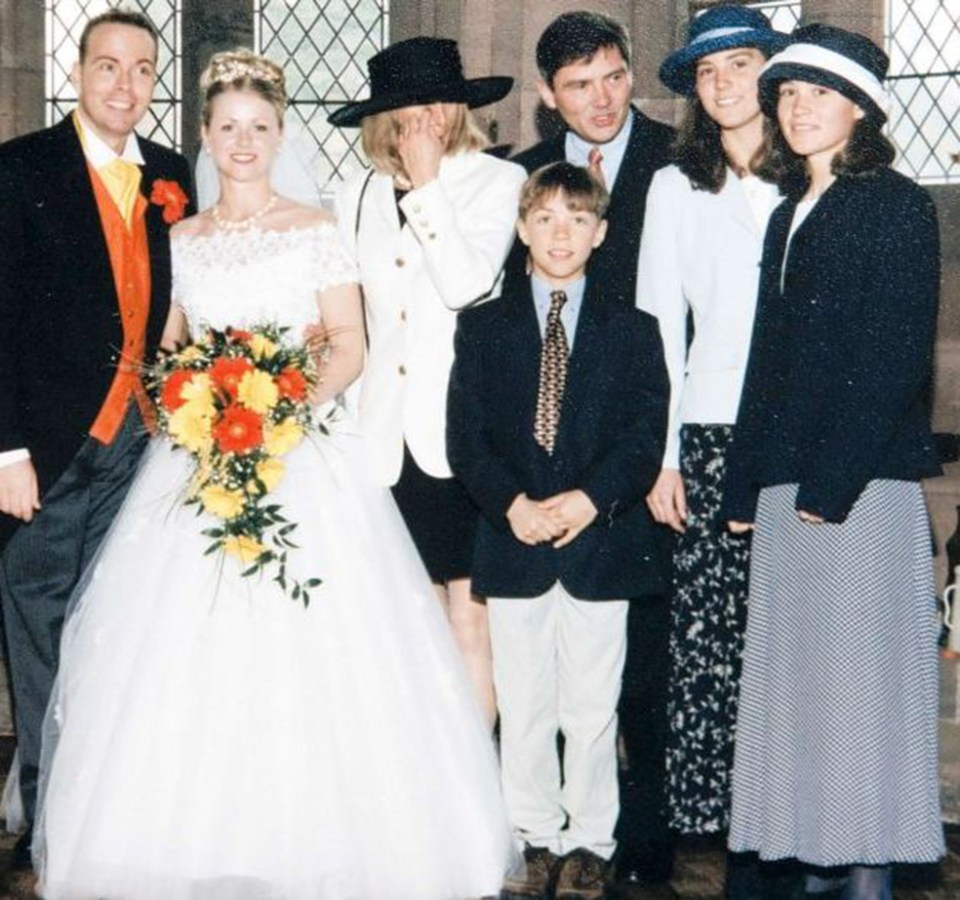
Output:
x=122 y=181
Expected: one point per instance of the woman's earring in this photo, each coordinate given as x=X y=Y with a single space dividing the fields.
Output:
x=206 y=149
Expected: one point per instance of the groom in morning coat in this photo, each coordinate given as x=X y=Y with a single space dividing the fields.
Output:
x=85 y=212
x=583 y=60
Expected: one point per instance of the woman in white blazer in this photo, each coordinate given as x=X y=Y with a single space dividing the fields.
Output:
x=699 y=259
x=432 y=224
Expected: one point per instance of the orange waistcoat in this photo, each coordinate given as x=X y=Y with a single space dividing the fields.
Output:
x=130 y=262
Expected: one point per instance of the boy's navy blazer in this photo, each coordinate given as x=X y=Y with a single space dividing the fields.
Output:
x=841 y=360
x=614 y=262
x=60 y=328
x=609 y=444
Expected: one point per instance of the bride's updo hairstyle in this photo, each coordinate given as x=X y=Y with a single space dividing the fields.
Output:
x=243 y=70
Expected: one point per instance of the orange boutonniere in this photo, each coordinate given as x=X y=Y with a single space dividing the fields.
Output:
x=171 y=197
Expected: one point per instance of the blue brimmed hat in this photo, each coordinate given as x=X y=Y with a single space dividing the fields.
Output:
x=417 y=71
x=720 y=28
x=844 y=61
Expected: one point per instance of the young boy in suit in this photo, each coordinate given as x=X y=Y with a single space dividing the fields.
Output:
x=556 y=424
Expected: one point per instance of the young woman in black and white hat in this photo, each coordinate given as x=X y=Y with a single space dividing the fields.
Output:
x=431 y=227
x=836 y=758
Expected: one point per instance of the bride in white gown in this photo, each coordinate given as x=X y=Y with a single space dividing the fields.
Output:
x=212 y=739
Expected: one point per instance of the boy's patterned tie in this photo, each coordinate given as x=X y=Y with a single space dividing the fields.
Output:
x=553 y=375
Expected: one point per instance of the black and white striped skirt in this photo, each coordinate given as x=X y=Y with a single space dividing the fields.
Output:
x=836 y=752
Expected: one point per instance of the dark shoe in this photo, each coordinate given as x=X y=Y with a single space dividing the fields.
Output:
x=645 y=865
x=535 y=878
x=21 y=857
x=583 y=876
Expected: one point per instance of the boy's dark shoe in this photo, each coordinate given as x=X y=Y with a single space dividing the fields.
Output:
x=583 y=876
x=535 y=878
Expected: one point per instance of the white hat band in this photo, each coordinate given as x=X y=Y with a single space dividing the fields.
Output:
x=719 y=32
x=831 y=61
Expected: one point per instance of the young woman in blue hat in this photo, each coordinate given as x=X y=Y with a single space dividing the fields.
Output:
x=836 y=757
x=702 y=240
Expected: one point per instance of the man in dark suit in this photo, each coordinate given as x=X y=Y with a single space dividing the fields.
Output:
x=584 y=64
x=85 y=211
x=556 y=411
x=585 y=77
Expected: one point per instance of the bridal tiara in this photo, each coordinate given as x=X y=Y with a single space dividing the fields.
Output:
x=235 y=65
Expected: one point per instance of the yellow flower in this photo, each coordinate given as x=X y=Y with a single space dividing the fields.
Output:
x=262 y=347
x=221 y=502
x=246 y=548
x=270 y=472
x=196 y=394
x=200 y=476
x=283 y=437
x=190 y=354
x=189 y=426
x=257 y=391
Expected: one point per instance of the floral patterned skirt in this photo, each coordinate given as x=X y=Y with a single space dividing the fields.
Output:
x=708 y=619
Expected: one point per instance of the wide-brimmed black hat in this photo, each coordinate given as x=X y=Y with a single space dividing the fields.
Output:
x=418 y=71
x=844 y=61
x=720 y=28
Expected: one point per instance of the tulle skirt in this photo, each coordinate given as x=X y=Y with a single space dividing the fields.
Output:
x=212 y=739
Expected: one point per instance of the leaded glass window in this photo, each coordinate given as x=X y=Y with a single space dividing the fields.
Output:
x=784 y=15
x=923 y=40
x=64 y=21
x=323 y=46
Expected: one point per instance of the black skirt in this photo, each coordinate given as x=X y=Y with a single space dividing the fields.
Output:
x=442 y=520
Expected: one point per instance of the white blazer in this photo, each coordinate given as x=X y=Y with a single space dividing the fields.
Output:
x=701 y=252
x=415 y=279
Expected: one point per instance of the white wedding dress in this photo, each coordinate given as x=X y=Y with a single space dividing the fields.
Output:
x=212 y=739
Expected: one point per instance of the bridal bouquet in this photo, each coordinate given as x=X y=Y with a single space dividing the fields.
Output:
x=238 y=401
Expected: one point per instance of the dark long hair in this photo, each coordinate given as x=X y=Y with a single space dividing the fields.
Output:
x=867 y=151
x=698 y=150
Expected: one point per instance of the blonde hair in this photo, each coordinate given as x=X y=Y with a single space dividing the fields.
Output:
x=379 y=138
x=243 y=70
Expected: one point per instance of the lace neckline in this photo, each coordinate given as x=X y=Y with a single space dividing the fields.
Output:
x=247 y=232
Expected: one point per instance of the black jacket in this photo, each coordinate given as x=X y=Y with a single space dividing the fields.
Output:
x=614 y=263
x=60 y=328
x=609 y=444
x=838 y=381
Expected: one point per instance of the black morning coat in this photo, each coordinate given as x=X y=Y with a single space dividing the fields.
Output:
x=60 y=329
x=838 y=380
x=614 y=263
x=610 y=444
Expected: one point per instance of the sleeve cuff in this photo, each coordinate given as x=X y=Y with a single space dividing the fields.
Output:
x=9 y=457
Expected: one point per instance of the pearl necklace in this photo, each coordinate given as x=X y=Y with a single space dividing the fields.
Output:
x=241 y=224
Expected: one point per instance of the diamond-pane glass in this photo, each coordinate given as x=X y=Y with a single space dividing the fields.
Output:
x=784 y=15
x=923 y=40
x=64 y=23
x=323 y=46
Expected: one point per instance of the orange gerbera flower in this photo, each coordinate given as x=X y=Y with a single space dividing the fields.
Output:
x=292 y=384
x=226 y=373
x=170 y=396
x=238 y=430
x=238 y=335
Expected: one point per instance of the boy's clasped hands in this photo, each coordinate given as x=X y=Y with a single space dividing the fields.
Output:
x=558 y=519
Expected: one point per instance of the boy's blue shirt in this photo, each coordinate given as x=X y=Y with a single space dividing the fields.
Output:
x=569 y=314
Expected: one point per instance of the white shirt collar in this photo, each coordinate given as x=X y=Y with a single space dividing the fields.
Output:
x=99 y=153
